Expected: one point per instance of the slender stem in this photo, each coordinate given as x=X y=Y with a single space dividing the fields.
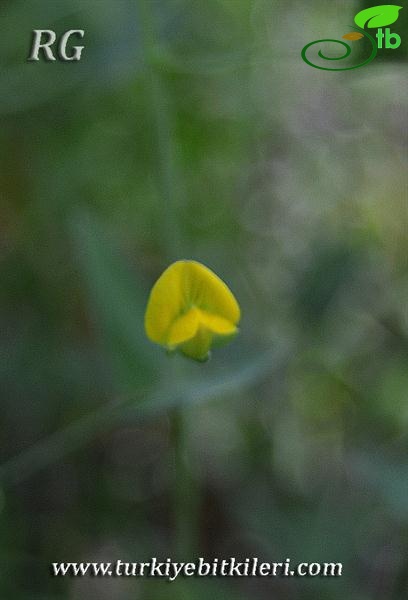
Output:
x=184 y=506
x=169 y=180
x=185 y=490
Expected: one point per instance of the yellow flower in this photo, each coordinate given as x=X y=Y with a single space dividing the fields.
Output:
x=191 y=309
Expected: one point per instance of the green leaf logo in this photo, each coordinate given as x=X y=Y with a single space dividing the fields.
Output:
x=377 y=16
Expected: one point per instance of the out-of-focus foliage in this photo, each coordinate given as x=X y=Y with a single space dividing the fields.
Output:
x=194 y=130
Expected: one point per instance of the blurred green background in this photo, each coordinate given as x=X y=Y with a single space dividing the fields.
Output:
x=193 y=129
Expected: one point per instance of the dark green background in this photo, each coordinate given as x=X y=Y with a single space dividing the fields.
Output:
x=193 y=129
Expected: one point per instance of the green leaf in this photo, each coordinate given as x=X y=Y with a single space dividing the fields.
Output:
x=193 y=390
x=116 y=299
x=377 y=16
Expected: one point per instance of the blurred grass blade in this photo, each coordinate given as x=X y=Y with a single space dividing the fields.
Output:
x=76 y=435
x=116 y=302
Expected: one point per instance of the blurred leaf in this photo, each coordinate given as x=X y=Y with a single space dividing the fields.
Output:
x=386 y=478
x=135 y=409
x=330 y=266
x=116 y=301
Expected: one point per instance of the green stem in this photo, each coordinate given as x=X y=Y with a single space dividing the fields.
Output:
x=171 y=190
x=169 y=181
x=185 y=490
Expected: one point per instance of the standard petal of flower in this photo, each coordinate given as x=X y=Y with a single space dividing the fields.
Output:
x=165 y=304
x=205 y=289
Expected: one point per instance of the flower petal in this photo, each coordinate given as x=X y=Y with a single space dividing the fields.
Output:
x=165 y=304
x=203 y=288
x=190 y=308
x=184 y=284
x=216 y=324
x=184 y=328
